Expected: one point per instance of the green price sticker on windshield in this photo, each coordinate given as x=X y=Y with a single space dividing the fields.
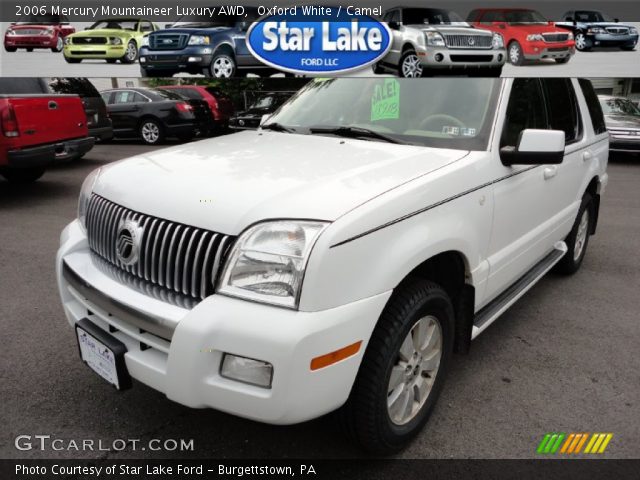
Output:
x=385 y=102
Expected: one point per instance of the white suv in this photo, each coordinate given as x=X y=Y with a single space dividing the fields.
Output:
x=339 y=255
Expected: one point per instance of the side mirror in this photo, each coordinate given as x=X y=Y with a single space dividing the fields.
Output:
x=394 y=25
x=535 y=147
x=617 y=20
x=264 y=118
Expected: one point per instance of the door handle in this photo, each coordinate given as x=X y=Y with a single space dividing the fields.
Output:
x=550 y=172
x=586 y=156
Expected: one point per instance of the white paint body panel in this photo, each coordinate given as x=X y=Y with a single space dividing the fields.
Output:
x=432 y=200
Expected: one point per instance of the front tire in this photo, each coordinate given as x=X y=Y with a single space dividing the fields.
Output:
x=131 y=55
x=222 y=65
x=410 y=65
x=578 y=238
x=151 y=131
x=59 y=45
x=582 y=44
x=22 y=176
x=403 y=368
x=515 y=54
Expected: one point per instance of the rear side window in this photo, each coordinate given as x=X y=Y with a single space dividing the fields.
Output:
x=188 y=93
x=562 y=107
x=593 y=105
x=525 y=110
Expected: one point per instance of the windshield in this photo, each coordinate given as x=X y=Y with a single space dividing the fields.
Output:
x=454 y=113
x=592 y=17
x=619 y=106
x=204 y=21
x=430 y=16
x=516 y=17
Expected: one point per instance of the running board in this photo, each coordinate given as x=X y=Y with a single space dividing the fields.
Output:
x=497 y=307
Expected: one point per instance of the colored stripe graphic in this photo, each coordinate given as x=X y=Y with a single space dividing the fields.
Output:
x=573 y=443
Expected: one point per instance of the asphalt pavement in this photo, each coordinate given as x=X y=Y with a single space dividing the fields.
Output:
x=564 y=358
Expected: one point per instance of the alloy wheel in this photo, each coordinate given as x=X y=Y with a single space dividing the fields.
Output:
x=132 y=52
x=222 y=67
x=414 y=373
x=411 y=66
x=150 y=132
x=514 y=54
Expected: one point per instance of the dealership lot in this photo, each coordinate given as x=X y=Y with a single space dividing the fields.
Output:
x=564 y=358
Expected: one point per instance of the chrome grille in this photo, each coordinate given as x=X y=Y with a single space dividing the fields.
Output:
x=177 y=257
x=28 y=31
x=618 y=30
x=168 y=41
x=468 y=41
x=89 y=40
x=555 y=37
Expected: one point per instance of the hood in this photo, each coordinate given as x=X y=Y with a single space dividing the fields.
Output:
x=101 y=32
x=622 y=121
x=228 y=183
x=31 y=26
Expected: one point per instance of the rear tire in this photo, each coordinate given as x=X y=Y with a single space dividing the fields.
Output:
x=578 y=238
x=406 y=361
x=378 y=69
x=151 y=131
x=22 y=175
x=59 y=45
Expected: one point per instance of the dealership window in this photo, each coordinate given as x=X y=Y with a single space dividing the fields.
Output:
x=593 y=105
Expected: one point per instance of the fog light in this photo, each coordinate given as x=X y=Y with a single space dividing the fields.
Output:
x=143 y=60
x=194 y=59
x=439 y=57
x=500 y=57
x=247 y=370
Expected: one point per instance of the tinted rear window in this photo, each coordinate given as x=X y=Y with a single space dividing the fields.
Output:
x=9 y=86
x=186 y=92
x=77 y=86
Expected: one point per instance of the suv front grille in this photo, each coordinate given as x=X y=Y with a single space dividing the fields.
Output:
x=168 y=41
x=178 y=257
x=468 y=41
x=555 y=37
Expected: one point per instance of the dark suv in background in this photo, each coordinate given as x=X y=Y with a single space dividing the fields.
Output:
x=213 y=46
x=592 y=28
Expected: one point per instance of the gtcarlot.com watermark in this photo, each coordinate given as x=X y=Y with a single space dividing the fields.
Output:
x=50 y=443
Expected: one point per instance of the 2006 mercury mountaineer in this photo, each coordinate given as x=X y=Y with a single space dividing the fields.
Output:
x=430 y=39
x=336 y=257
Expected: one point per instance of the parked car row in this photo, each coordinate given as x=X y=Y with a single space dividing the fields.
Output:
x=425 y=40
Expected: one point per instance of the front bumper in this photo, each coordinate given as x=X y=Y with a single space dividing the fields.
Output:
x=30 y=41
x=609 y=40
x=541 y=50
x=95 y=51
x=182 y=359
x=624 y=141
x=443 y=57
x=189 y=59
x=46 y=155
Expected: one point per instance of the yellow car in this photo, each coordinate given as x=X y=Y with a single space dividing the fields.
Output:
x=110 y=39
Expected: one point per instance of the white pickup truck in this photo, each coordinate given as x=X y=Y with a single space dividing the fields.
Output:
x=338 y=256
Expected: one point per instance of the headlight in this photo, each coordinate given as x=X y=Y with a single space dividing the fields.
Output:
x=535 y=37
x=145 y=41
x=596 y=30
x=199 y=40
x=85 y=196
x=633 y=31
x=268 y=262
x=570 y=36
x=47 y=31
x=434 y=39
x=11 y=32
x=115 y=41
x=498 y=41
x=67 y=40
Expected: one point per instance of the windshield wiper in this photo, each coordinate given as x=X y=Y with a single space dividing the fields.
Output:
x=277 y=127
x=356 y=132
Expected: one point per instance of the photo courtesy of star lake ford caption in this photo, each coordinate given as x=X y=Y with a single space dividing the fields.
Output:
x=368 y=230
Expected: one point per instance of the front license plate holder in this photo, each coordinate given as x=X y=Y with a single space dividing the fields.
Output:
x=103 y=353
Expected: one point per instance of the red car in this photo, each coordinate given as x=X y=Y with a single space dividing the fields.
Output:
x=39 y=31
x=527 y=34
x=221 y=107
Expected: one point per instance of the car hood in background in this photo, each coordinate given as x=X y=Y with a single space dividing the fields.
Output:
x=228 y=183
x=622 y=121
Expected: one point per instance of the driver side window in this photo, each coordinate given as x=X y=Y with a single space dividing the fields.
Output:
x=526 y=109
